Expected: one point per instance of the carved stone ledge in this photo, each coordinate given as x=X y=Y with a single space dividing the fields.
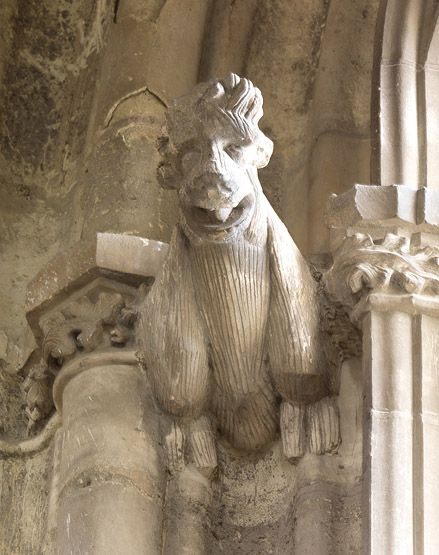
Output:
x=387 y=204
x=392 y=266
x=378 y=210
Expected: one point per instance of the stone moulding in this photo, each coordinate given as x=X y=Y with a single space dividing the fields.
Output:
x=81 y=364
x=28 y=447
x=384 y=206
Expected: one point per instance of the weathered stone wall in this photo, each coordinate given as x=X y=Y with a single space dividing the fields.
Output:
x=84 y=87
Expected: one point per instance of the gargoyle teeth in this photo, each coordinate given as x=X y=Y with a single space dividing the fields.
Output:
x=222 y=214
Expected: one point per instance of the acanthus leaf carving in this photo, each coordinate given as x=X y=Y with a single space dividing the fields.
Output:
x=389 y=266
x=341 y=340
x=81 y=326
x=37 y=388
x=84 y=325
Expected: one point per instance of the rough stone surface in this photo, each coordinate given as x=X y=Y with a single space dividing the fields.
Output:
x=84 y=88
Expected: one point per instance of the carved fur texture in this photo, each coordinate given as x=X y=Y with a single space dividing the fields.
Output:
x=230 y=328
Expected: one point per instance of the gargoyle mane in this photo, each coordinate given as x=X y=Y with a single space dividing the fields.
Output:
x=233 y=101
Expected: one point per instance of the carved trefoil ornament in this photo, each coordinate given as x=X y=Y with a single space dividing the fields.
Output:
x=230 y=330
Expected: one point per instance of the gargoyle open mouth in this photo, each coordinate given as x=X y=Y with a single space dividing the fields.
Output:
x=221 y=218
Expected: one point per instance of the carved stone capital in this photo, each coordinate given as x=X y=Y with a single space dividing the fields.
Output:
x=100 y=316
x=385 y=248
x=393 y=266
x=85 y=301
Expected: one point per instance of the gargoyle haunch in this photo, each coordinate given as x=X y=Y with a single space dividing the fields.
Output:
x=230 y=329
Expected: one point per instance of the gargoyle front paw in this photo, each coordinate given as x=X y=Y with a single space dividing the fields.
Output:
x=312 y=428
x=201 y=448
x=293 y=429
x=323 y=425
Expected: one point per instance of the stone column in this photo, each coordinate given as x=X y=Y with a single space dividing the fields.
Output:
x=401 y=95
x=108 y=477
x=386 y=270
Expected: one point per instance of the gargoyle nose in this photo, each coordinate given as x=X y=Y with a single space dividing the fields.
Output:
x=213 y=159
x=213 y=183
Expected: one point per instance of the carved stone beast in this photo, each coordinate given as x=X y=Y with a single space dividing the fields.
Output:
x=230 y=329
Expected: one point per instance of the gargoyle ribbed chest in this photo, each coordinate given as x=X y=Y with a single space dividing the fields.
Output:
x=232 y=289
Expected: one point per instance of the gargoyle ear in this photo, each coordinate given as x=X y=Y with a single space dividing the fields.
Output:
x=265 y=150
x=167 y=176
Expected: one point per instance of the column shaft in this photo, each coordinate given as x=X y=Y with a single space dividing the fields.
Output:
x=388 y=437
x=427 y=445
x=110 y=487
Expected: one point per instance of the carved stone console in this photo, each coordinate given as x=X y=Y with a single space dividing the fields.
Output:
x=107 y=475
x=240 y=350
x=386 y=270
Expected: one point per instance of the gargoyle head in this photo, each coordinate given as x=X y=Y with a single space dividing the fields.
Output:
x=212 y=152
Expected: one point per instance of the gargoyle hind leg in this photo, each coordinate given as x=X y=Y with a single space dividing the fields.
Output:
x=191 y=453
x=202 y=445
x=309 y=418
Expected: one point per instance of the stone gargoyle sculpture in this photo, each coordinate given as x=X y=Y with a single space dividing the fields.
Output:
x=230 y=329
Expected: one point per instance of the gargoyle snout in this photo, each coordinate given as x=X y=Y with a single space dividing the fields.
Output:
x=213 y=181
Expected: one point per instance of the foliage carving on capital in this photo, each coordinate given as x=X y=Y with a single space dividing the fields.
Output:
x=90 y=322
x=84 y=325
x=391 y=266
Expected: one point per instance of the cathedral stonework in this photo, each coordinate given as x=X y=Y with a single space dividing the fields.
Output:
x=230 y=330
x=219 y=325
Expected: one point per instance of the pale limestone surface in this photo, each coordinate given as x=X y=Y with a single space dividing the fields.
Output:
x=232 y=320
x=97 y=92
x=386 y=271
x=164 y=454
x=110 y=447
